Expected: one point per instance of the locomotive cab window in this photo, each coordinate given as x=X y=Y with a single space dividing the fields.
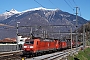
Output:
x=31 y=42
x=27 y=42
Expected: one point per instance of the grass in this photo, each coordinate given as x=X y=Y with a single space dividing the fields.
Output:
x=82 y=55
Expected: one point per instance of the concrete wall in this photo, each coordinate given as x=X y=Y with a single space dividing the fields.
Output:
x=8 y=47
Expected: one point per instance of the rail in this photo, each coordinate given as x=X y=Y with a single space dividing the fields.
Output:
x=56 y=56
x=4 y=54
x=12 y=55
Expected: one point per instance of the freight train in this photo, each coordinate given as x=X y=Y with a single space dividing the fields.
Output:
x=38 y=45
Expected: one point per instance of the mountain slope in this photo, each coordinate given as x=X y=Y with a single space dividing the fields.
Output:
x=42 y=16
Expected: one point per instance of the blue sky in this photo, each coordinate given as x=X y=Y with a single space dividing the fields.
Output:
x=21 y=5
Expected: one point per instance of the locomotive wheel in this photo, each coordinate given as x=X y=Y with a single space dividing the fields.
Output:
x=39 y=54
x=35 y=54
x=43 y=52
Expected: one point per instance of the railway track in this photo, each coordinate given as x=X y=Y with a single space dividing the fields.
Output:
x=55 y=56
x=61 y=54
x=13 y=55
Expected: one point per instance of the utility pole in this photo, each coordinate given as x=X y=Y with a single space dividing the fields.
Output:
x=31 y=33
x=71 y=38
x=83 y=36
x=17 y=34
x=76 y=28
x=46 y=35
x=59 y=34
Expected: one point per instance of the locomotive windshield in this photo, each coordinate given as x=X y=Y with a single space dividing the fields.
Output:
x=29 y=42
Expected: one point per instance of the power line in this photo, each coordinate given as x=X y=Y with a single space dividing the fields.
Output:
x=70 y=2
x=53 y=3
x=38 y=3
x=74 y=3
x=68 y=5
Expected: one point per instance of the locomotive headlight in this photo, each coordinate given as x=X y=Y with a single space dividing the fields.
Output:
x=31 y=46
x=25 y=46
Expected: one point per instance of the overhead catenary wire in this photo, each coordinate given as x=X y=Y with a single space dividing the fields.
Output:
x=70 y=2
x=39 y=3
x=52 y=3
x=69 y=5
x=74 y=2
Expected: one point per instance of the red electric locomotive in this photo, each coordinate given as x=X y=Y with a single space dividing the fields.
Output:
x=37 y=45
x=58 y=44
x=63 y=44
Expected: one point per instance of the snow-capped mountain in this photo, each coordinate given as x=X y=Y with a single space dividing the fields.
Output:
x=8 y=14
x=39 y=16
x=39 y=8
x=11 y=12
